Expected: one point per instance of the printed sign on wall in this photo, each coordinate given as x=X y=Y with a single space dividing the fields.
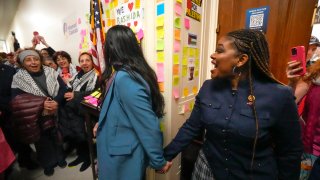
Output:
x=257 y=18
x=194 y=9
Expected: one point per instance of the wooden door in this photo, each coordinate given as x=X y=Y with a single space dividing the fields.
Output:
x=289 y=24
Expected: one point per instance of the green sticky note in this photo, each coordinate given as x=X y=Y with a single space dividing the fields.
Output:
x=176 y=80
x=177 y=23
x=160 y=45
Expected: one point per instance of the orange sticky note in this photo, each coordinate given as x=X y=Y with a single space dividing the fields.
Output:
x=177 y=34
x=195 y=89
x=161 y=86
x=175 y=69
x=137 y=4
x=185 y=92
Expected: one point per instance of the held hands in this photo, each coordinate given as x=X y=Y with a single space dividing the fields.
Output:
x=69 y=96
x=165 y=168
x=293 y=68
x=50 y=106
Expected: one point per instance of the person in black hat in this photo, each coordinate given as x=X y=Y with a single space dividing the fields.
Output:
x=312 y=56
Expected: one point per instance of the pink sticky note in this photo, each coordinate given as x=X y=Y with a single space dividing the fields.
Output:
x=106 y=1
x=186 y=107
x=83 y=32
x=93 y=100
x=88 y=97
x=177 y=46
x=160 y=72
x=140 y=34
x=80 y=46
x=178 y=9
x=176 y=93
x=187 y=23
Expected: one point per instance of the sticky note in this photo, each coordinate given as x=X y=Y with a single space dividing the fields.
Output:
x=177 y=34
x=195 y=90
x=80 y=46
x=137 y=4
x=185 y=92
x=175 y=69
x=186 y=107
x=161 y=86
x=177 y=23
x=160 y=72
x=187 y=23
x=196 y=73
x=160 y=21
x=88 y=97
x=162 y=129
x=160 y=56
x=115 y=3
x=191 y=105
x=160 y=45
x=176 y=80
x=108 y=13
x=175 y=58
x=160 y=9
x=197 y=52
x=185 y=61
x=192 y=52
x=178 y=9
x=160 y=32
x=196 y=63
x=95 y=93
x=184 y=71
x=176 y=46
x=185 y=51
x=160 y=1
x=106 y=1
x=176 y=93
x=181 y=109
x=179 y=1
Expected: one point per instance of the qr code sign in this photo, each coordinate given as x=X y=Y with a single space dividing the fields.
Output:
x=256 y=20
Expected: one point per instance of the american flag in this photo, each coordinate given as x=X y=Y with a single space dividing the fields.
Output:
x=97 y=35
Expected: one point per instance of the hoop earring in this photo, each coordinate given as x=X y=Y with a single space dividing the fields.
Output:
x=236 y=71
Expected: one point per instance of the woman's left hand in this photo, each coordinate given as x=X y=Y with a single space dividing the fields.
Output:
x=50 y=105
x=69 y=96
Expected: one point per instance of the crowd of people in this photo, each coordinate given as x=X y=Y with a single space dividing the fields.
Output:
x=255 y=126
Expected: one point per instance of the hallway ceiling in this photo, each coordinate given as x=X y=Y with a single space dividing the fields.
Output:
x=8 y=9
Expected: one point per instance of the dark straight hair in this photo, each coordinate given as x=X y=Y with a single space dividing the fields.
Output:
x=122 y=52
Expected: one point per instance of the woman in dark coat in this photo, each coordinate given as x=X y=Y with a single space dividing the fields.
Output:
x=72 y=121
x=42 y=81
x=250 y=118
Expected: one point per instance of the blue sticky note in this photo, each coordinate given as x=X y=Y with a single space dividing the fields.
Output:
x=160 y=9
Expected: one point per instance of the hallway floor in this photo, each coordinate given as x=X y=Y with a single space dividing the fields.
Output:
x=68 y=173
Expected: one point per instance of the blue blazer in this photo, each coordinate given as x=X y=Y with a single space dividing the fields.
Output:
x=128 y=136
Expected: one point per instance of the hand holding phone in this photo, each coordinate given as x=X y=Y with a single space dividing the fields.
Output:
x=298 y=55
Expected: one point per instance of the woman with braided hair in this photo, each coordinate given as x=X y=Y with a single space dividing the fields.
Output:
x=250 y=118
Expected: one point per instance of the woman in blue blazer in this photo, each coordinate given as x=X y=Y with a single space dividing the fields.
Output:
x=250 y=118
x=128 y=132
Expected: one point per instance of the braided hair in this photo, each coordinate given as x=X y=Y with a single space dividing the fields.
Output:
x=254 y=44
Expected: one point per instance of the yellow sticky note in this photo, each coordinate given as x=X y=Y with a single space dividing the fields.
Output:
x=191 y=105
x=137 y=4
x=177 y=23
x=176 y=80
x=161 y=86
x=160 y=45
x=196 y=73
x=184 y=61
x=160 y=21
x=111 y=5
x=197 y=53
x=195 y=90
x=175 y=58
x=161 y=126
x=160 y=56
x=177 y=34
x=192 y=52
x=160 y=32
x=109 y=23
x=108 y=13
x=184 y=71
x=185 y=92
x=179 y=1
x=175 y=69
x=185 y=51
x=196 y=62
x=115 y=3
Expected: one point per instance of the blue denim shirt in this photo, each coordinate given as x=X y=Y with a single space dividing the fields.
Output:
x=229 y=122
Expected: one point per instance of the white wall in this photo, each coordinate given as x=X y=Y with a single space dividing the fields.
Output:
x=47 y=17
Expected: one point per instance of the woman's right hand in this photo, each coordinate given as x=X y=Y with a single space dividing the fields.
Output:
x=95 y=130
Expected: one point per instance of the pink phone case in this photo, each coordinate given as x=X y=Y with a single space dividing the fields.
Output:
x=298 y=54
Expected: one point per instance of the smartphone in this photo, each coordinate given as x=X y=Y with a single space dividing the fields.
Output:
x=298 y=54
